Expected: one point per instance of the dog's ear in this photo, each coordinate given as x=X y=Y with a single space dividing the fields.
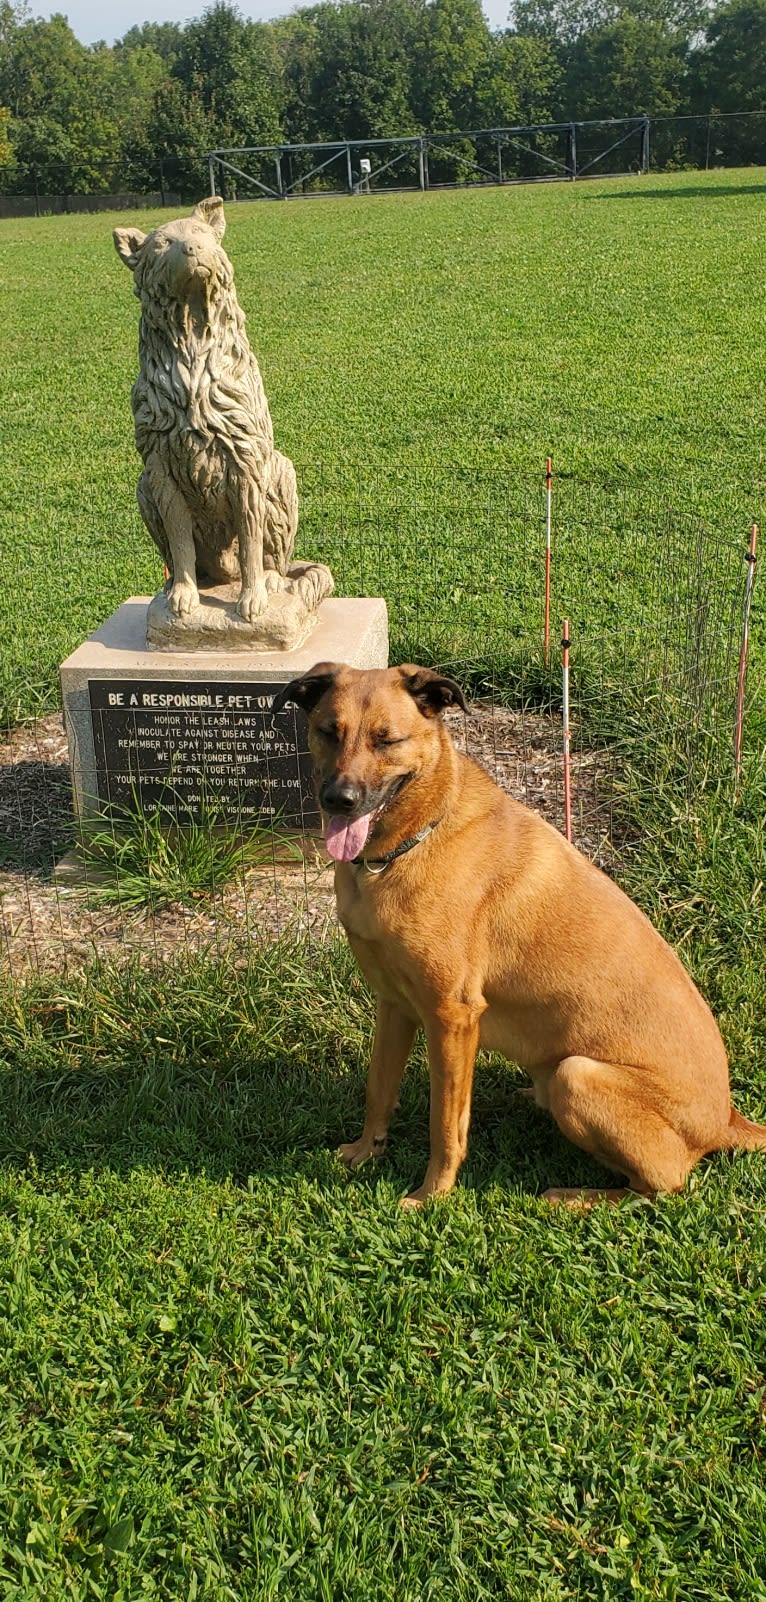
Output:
x=127 y=243
x=307 y=691
x=432 y=691
x=210 y=211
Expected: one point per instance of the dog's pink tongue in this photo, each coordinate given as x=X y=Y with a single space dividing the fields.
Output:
x=346 y=837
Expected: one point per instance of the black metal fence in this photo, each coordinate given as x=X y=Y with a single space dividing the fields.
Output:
x=55 y=189
x=474 y=157
x=566 y=150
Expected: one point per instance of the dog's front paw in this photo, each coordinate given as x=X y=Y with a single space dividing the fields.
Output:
x=357 y=1151
x=183 y=597
x=253 y=602
x=438 y=1184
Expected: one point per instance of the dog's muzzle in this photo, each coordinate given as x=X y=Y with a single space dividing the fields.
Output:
x=341 y=797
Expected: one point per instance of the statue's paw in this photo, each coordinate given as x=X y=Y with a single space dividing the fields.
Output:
x=357 y=1151
x=274 y=581
x=183 y=598
x=253 y=602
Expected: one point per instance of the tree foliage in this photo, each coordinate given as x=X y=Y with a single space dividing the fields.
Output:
x=626 y=63
x=729 y=66
x=145 y=112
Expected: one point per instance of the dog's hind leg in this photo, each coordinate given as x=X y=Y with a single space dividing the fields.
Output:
x=609 y=1111
x=394 y=1034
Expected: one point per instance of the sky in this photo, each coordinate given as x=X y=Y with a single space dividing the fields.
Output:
x=92 y=20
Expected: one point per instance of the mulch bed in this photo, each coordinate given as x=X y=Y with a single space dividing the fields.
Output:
x=47 y=925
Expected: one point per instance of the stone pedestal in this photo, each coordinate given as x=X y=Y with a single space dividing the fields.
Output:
x=194 y=732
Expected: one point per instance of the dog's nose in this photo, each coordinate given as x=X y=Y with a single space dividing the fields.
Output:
x=339 y=795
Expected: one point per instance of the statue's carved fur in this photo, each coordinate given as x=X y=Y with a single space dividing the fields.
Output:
x=217 y=499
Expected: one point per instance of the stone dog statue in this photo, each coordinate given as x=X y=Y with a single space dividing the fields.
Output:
x=218 y=500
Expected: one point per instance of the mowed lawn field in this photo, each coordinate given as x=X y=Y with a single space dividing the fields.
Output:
x=422 y=355
x=227 y=1372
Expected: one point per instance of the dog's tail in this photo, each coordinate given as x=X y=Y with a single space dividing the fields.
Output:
x=741 y=1132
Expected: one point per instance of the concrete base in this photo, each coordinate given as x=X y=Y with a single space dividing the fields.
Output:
x=107 y=685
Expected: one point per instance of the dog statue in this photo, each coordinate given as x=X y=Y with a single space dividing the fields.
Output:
x=476 y=921
x=219 y=501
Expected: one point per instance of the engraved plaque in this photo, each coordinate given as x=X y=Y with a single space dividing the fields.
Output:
x=166 y=744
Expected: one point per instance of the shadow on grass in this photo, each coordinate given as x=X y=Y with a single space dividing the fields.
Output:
x=239 y=1075
x=264 y=1124
x=710 y=191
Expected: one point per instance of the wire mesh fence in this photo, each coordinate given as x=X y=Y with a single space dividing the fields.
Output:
x=730 y=139
x=653 y=596
x=51 y=188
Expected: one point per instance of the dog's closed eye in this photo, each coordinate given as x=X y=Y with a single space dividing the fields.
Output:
x=382 y=737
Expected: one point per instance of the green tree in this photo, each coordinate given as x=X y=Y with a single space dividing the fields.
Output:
x=6 y=148
x=139 y=74
x=727 y=75
x=64 y=130
x=232 y=67
x=450 y=60
x=164 y=38
x=729 y=68
x=297 y=43
x=568 y=20
x=622 y=70
x=361 y=68
x=222 y=90
x=180 y=132
x=518 y=82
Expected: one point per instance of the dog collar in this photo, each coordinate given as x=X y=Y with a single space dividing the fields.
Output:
x=377 y=865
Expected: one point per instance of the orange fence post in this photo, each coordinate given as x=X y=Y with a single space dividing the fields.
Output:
x=548 y=510
x=565 y=718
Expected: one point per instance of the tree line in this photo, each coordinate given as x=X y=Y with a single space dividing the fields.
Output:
x=142 y=113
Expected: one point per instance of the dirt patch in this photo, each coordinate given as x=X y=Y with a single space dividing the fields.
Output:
x=46 y=925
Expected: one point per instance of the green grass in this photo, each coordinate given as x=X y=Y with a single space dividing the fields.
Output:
x=226 y=1370
x=173 y=856
x=422 y=354
x=257 y=1379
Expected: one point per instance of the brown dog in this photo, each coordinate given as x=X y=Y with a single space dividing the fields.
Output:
x=474 y=919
